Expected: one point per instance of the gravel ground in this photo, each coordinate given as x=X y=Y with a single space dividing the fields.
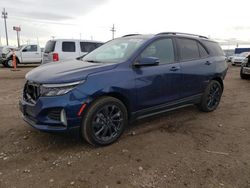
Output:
x=183 y=148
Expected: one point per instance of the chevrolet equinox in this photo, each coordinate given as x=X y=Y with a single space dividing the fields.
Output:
x=125 y=79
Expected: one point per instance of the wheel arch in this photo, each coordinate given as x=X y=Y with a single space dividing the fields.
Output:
x=218 y=79
x=118 y=96
x=11 y=57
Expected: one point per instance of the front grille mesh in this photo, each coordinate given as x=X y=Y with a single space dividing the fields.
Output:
x=31 y=92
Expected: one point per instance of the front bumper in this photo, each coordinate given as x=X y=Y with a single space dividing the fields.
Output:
x=237 y=62
x=39 y=116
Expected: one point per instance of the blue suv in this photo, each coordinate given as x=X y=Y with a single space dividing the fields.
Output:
x=128 y=78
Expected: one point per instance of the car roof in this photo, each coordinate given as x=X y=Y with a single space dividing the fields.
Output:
x=186 y=35
x=76 y=40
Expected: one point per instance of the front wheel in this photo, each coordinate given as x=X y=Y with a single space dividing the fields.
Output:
x=9 y=63
x=4 y=63
x=211 y=97
x=104 y=121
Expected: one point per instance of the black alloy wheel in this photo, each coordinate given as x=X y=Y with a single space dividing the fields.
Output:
x=211 y=97
x=104 y=121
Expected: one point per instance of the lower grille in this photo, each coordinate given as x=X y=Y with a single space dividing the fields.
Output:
x=55 y=114
x=31 y=92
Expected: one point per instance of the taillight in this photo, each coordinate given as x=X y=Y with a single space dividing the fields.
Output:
x=55 y=57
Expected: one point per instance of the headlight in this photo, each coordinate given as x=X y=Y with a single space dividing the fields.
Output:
x=57 y=89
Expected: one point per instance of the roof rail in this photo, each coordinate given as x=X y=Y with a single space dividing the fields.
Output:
x=129 y=35
x=178 y=33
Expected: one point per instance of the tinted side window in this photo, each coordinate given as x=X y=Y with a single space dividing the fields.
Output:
x=162 y=49
x=203 y=51
x=50 y=46
x=214 y=48
x=87 y=46
x=188 y=49
x=98 y=44
x=31 y=48
x=68 y=47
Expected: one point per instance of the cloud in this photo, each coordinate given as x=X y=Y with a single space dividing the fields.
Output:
x=54 y=10
x=240 y=28
x=41 y=18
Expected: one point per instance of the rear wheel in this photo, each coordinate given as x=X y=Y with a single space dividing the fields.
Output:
x=211 y=97
x=104 y=121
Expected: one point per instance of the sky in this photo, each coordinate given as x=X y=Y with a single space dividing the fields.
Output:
x=40 y=20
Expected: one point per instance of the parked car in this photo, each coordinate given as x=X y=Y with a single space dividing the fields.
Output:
x=1 y=48
x=239 y=58
x=5 y=50
x=128 y=78
x=25 y=54
x=229 y=58
x=245 y=68
x=65 y=49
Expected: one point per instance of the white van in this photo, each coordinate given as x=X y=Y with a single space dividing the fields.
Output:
x=64 y=49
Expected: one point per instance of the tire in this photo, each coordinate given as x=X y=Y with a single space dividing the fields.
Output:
x=243 y=76
x=104 y=121
x=4 y=64
x=211 y=97
x=9 y=62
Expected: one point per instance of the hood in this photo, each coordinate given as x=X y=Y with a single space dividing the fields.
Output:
x=64 y=72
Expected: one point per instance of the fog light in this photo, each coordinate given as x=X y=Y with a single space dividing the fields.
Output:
x=63 y=117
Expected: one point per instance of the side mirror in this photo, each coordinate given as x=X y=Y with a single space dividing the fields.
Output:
x=147 y=61
x=24 y=50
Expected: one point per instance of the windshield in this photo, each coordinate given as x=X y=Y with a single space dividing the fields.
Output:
x=20 y=47
x=244 y=54
x=115 y=51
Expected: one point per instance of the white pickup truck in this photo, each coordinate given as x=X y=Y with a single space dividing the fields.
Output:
x=26 y=54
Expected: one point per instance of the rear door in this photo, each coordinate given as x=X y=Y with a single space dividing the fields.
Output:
x=194 y=63
x=30 y=54
x=160 y=84
x=68 y=50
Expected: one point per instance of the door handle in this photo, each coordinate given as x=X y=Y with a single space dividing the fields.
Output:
x=208 y=63
x=174 y=68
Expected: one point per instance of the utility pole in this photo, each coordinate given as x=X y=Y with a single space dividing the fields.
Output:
x=113 y=32
x=5 y=16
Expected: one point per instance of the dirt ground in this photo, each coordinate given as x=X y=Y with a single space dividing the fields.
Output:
x=183 y=148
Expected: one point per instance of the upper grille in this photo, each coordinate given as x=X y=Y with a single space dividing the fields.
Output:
x=31 y=92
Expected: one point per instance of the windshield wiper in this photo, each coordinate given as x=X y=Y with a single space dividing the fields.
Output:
x=92 y=61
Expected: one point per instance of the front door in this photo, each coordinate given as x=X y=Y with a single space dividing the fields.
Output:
x=30 y=54
x=160 y=84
